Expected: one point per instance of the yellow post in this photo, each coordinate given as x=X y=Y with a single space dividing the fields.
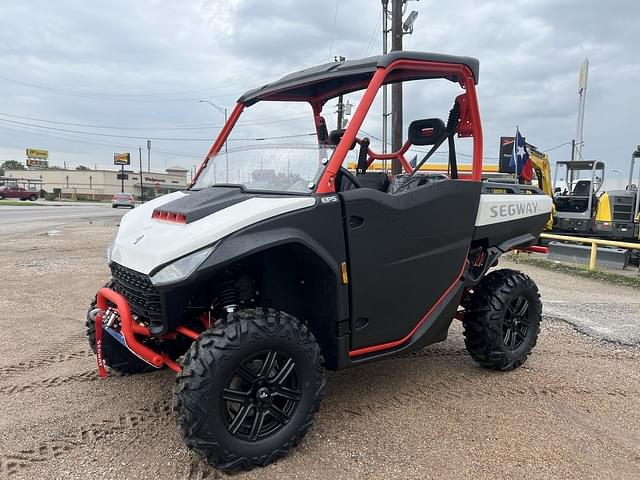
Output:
x=594 y=254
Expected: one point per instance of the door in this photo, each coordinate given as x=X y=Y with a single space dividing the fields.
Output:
x=405 y=250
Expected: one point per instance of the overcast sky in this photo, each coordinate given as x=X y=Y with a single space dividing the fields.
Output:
x=142 y=66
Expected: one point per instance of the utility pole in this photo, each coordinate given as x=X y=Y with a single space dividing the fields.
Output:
x=148 y=156
x=122 y=178
x=141 y=189
x=396 y=88
x=340 y=99
x=385 y=102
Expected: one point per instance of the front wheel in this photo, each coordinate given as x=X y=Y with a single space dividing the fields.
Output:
x=33 y=198
x=502 y=319
x=249 y=389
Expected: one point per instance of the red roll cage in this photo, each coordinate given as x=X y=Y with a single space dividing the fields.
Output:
x=396 y=71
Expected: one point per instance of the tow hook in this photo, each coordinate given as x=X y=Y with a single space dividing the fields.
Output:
x=94 y=313
x=98 y=315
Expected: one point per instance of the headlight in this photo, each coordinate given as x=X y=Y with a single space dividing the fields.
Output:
x=109 y=250
x=181 y=269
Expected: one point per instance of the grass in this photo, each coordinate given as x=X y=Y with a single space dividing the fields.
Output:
x=18 y=203
x=579 y=270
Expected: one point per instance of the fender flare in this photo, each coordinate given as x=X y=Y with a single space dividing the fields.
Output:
x=493 y=254
x=242 y=245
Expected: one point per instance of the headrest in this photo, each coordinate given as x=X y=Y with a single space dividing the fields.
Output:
x=336 y=135
x=426 y=132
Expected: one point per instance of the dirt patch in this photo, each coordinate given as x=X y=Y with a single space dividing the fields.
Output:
x=572 y=411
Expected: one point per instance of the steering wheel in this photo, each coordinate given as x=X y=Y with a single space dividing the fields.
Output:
x=343 y=172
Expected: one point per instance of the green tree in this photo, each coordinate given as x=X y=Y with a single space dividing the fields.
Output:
x=12 y=165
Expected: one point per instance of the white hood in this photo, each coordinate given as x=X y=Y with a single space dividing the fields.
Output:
x=143 y=243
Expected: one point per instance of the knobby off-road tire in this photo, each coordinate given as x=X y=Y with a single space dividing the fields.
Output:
x=115 y=355
x=635 y=257
x=502 y=319
x=249 y=390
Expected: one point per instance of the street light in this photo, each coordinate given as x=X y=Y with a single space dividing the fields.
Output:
x=407 y=26
x=224 y=111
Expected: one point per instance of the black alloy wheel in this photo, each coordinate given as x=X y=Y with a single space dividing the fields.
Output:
x=249 y=389
x=516 y=323
x=262 y=395
x=502 y=316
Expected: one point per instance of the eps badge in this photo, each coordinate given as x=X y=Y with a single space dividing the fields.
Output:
x=329 y=199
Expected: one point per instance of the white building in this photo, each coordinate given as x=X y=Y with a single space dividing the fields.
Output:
x=103 y=184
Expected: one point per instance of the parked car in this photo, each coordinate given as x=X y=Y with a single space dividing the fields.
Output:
x=15 y=191
x=123 y=200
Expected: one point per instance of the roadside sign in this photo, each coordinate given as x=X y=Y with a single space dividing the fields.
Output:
x=123 y=176
x=37 y=153
x=122 y=158
x=34 y=162
x=506 y=149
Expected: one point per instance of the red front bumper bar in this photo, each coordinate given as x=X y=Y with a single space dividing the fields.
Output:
x=129 y=329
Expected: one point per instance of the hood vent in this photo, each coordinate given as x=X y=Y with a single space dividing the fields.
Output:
x=169 y=216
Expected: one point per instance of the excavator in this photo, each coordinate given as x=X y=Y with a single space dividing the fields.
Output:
x=618 y=213
x=540 y=165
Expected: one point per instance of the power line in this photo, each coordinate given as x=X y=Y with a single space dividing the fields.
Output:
x=100 y=134
x=272 y=138
x=11 y=122
x=103 y=94
x=75 y=138
x=557 y=146
x=372 y=40
x=175 y=127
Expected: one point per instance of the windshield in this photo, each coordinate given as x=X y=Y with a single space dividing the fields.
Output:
x=291 y=168
x=273 y=147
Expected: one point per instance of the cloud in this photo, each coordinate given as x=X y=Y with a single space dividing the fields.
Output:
x=147 y=63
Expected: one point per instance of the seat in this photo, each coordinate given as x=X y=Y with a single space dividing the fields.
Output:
x=582 y=189
x=376 y=180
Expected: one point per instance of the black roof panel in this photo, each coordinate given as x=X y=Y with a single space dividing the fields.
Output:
x=321 y=80
x=581 y=164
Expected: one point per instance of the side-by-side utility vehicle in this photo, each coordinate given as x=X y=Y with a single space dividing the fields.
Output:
x=278 y=262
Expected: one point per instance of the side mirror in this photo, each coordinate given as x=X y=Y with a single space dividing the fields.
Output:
x=426 y=132
x=557 y=190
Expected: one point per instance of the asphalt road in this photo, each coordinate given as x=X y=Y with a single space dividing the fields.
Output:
x=598 y=309
x=33 y=219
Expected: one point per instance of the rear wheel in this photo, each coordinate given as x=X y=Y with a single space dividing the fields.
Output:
x=33 y=197
x=502 y=319
x=635 y=257
x=249 y=389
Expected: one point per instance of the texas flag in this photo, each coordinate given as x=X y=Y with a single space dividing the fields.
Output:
x=520 y=158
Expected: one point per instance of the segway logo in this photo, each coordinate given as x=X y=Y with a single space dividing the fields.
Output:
x=513 y=209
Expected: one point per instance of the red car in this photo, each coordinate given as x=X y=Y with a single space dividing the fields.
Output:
x=14 y=191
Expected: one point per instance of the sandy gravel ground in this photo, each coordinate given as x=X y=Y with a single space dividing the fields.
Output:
x=572 y=411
